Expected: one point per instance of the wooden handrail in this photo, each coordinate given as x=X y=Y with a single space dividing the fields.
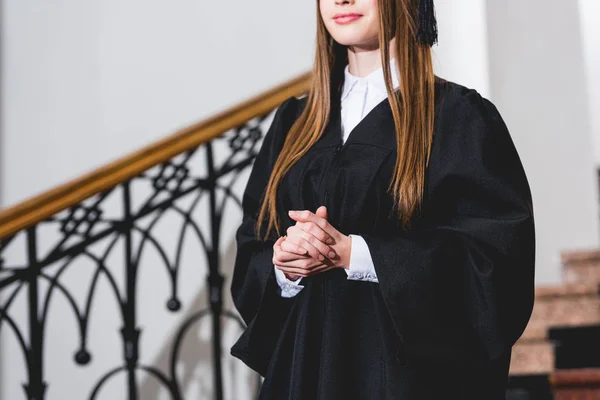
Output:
x=48 y=203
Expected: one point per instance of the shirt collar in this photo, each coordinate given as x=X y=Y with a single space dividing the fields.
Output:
x=374 y=79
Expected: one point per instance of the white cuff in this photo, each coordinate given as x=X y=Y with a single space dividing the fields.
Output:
x=361 y=264
x=288 y=288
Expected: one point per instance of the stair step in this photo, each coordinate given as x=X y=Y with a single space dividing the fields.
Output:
x=565 y=305
x=582 y=383
x=581 y=265
x=575 y=303
x=532 y=357
x=533 y=333
x=544 y=292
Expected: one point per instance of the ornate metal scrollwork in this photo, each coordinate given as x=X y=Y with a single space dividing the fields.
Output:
x=98 y=255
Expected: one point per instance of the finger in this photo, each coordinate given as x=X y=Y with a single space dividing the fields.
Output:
x=300 y=251
x=321 y=212
x=320 y=233
x=317 y=232
x=323 y=239
x=292 y=277
x=279 y=240
x=320 y=269
x=304 y=272
x=307 y=216
x=297 y=266
x=321 y=248
x=304 y=240
x=283 y=256
x=297 y=237
x=295 y=271
x=289 y=246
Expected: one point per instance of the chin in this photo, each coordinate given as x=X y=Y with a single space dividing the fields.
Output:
x=352 y=39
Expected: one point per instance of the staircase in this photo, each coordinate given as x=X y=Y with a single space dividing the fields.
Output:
x=562 y=311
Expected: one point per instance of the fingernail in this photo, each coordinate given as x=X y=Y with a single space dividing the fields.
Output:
x=330 y=241
x=291 y=212
x=331 y=254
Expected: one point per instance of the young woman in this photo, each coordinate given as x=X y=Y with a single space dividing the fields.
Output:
x=387 y=246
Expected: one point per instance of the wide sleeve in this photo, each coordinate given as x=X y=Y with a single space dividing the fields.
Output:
x=460 y=287
x=254 y=288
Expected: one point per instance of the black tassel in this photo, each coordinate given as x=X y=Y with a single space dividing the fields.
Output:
x=428 y=32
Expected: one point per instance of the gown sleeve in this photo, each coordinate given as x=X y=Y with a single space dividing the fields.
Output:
x=254 y=288
x=460 y=287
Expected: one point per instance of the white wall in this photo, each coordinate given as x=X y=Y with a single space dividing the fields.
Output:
x=537 y=82
x=86 y=82
x=589 y=13
x=462 y=51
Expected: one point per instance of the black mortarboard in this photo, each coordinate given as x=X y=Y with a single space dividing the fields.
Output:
x=428 y=32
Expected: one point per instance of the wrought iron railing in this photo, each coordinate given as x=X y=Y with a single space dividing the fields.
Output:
x=88 y=247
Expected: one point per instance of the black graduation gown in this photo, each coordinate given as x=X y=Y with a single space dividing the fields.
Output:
x=453 y=295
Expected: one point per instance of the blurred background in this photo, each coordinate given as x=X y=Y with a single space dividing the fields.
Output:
x=127 y=128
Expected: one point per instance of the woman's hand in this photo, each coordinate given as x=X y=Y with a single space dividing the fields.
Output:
x=295 y=261
x=311 y=246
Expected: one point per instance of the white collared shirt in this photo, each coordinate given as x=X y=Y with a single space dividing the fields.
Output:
x=359 y=96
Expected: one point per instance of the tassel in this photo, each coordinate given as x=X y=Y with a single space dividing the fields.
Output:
x=428 y=32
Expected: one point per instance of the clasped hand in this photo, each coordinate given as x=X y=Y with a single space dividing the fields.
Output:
x=311 y=246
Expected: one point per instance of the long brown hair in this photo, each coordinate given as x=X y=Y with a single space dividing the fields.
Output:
x=412 y=107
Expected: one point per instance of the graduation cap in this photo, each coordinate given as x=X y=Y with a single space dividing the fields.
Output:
x=428 y=32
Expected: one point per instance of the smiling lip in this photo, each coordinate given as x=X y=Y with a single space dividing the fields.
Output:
x=346 y=18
